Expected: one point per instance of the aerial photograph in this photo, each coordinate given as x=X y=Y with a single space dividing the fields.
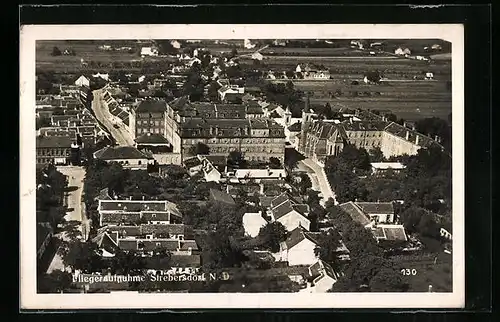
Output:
x=244 y=166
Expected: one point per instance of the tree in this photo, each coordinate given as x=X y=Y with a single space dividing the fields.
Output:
x=83 y=256
x=271 y=235
x=376 y=155
x=218 y=252
x=56 y=51
x=373 y=76
x=234 y=52
x=304 y=183
x=199 y=148
x=56 y=281
x=127 y=263
x=274 y=163
x=327 y=249
x=235 y=159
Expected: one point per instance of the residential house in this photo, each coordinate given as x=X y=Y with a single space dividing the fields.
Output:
x=389 y=232
x=445 y=233
x=210 y=171
x=102 y=76
x=384 y=167
x=289 y=212
x=149 y=51
x=82 y=81
x=256 y=175
x=322 y=277
x=53 y=149
x=402 y=51
x=257 y=56
x=429 y=76
x=298 y=249
x=221 y=197
x=252 y=223
x=234 y=89
x=193 y=165
x=116 y=212
x=128 y=156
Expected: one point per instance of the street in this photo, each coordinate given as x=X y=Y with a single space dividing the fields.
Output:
x=318 y=179
x=75 y=212
x=120 y=133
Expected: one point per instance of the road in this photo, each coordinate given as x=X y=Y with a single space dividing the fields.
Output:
x=318 y=179
x=120 y=133
x=75 y=212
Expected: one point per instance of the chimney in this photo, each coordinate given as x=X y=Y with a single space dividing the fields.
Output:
x=407 y=135
x=416 y=140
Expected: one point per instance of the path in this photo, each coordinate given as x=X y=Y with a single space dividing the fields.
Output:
x=318 y=174
x=75 y=212
x=118 y=130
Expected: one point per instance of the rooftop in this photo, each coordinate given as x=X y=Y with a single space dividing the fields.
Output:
x=220 y=196
x=150 y=138
x=138 y=206
x=296 y=236
x=355 y=213
x=376 y=207
x=153 y=106
x=53 y=142
x=119 y=153
x=387 y=165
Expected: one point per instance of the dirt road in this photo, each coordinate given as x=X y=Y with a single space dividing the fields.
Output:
x=319 y=179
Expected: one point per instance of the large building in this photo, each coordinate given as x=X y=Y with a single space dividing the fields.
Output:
x=222 y=127
x=53 y=149
x=319 y=138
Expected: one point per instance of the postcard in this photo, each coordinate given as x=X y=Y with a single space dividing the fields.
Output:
x=241 y=166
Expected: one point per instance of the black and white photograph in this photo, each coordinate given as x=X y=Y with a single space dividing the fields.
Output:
x=257 y=166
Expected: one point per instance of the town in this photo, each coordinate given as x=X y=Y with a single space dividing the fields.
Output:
x=308 y=166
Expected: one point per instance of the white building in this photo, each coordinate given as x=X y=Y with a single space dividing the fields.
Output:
x=252 y=223
x=82 y=81
x=381 y=167
x=149 y=51
x=257 y=56
x=298 y=249
x=103 y=76
x=323 y=275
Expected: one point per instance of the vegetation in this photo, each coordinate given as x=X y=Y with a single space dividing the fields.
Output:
x=52 y=185
x=271 y=235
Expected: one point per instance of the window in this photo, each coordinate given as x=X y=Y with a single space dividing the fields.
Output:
x=157 y=130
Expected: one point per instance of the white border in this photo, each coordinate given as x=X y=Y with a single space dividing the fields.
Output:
x=30 y=300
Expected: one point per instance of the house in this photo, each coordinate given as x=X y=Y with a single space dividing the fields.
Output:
x=128 y=156
x=193 y=165
x=119 y=212
x=383 y=167
x=389 y=232
x=175 y=44
x=248 y=44
x=257 y=56
x=298 y=248
x=436 y=47
x=322 y=277
x=402 y=51
x=149 y=51
x=53 y=149
x=429 y=75
x=82 y=81
x=290 y=212
x=210 y=172
x=257 y=175
x=194 y=60
x=445 y=233
x=44 y=233
x=367 y=212
x=102 y=76
x=225 y=90
x=221 y=197
x=252 y=223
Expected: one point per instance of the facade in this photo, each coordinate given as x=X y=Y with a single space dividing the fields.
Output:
x=290 y=212
x=320 y=139
x=323 y=277
x=148 y=116
x=252 y=223
x=298 y=249
x=223 y=128
x=82 y=81
x=383 y=167
x=127 y=156
x=53 y=149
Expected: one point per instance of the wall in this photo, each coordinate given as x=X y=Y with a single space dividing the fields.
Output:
x=393 y=145
x=168 y=158
x=324 y=284
x=302 y=254
x=293 y=219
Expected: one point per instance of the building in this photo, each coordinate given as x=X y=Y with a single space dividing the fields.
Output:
x=221 y=197
x=102 y=76
x=232 y=89
x=322 y=277
x=256 y=175
x=149 y=116
x=445 y=233
x=257 y=56
x=127 y=156
x=402 y=51
x=82 y=81
x=149 y=51
x=376 y=216
x=429 y=76
x=320 y=139
x=53 y=149
x=298 y=249
x=384 y=167
x=223 y=128
x=252 y=223
x=378 y=212
x=289 y=212
x=312 y=72
x=123 y=212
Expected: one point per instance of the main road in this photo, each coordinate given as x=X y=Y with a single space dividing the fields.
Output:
x=318 y=179
x=115 y=126
x=75 y=213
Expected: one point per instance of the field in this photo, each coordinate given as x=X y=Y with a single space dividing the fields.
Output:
x=438 y=274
